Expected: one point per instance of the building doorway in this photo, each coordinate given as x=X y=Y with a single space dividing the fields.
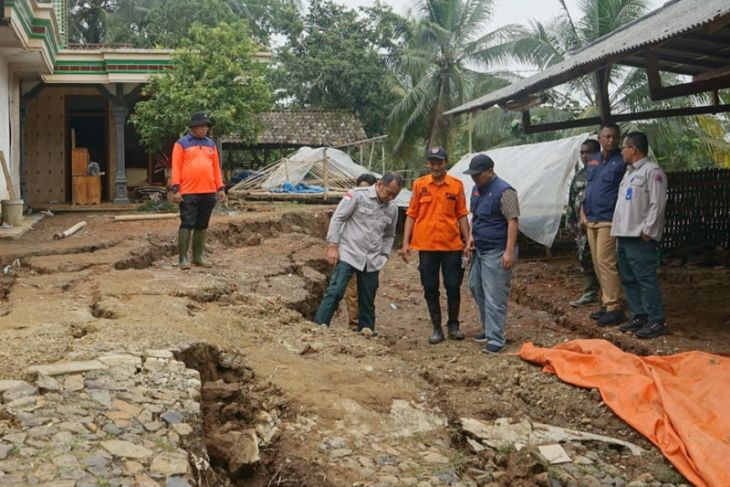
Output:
x=86 y=119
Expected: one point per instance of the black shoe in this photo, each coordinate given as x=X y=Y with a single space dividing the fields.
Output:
x=596 y=315
x=634 y=325
x=437 y=337
x=611 y=318
x=652 y=330
x=481 y=338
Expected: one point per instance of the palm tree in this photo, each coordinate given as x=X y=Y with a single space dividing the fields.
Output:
x=89 y=20
x=442 y=67
x=550 y=42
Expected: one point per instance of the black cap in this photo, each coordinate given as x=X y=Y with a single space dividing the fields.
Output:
x=479 y=163
x=200 y=118
x=438 y=153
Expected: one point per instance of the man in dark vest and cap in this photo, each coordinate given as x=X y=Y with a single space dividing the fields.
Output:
x=196 y=184
x=495 y=209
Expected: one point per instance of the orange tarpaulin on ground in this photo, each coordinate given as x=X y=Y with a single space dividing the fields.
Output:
x=680 y=402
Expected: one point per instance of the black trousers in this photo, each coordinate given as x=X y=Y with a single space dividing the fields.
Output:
x=449 y=264
x=195 y=210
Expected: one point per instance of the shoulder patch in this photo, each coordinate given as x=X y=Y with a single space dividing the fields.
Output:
x=658 y=178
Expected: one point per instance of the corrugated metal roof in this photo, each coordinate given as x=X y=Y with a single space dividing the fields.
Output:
x=673 y=19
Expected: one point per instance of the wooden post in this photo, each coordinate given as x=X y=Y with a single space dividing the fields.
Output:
x=382 y=155
x=326 y=174
x=372 y=151
x=604 y=103
x=469 y=122
x=361 y=155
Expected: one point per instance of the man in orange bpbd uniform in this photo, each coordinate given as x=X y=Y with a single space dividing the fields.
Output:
x=437 y=226
x=196 y=183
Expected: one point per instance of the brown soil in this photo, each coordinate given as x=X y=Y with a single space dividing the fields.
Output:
x=115 y=285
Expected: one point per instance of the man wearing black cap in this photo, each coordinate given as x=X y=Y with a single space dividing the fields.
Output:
x=196 y=179
x=437 y=226
x=495 y=209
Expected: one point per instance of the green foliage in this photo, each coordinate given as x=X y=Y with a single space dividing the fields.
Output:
x=158 y=206
x=215 y=71
x=163 y=23
x=89 y=20
x=331 y=60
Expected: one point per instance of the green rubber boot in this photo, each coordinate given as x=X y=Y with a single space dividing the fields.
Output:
x=199 y=237
x=590 y=292
x=183 y=244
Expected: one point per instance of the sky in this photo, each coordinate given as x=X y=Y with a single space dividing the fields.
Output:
x=505 y=12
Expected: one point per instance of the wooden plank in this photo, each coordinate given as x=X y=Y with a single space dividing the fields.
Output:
x=143 y=217
x=70 y=231
x=685 y=89
x=625 y=117
x=13 y=195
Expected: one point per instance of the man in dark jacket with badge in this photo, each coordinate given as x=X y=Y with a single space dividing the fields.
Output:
x=596 y=215
x=495 y=209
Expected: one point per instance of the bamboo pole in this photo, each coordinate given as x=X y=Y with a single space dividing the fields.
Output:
x=153 y=216
x=70 y=231
x=326 y=174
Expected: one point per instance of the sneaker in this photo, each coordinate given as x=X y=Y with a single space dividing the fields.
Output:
x=492 y=348
x=368 y=332
x=611 y=318
x=652 y=330
x=634 y=325
x=481 y=338
x=596 y=315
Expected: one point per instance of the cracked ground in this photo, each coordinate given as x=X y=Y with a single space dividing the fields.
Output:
x=359 y=411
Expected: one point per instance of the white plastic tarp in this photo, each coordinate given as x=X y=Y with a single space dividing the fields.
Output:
x=294 y=169
x=541 y=174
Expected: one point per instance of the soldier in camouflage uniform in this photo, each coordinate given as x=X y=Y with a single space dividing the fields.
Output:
x=590 y=154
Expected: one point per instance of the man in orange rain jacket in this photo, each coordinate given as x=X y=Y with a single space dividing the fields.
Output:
x=196 y=182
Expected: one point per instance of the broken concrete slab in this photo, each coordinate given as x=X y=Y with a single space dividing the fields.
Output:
x=64 y=368
x=507 y=432
x=19 y=391
x=554 y=454
x=9 y=384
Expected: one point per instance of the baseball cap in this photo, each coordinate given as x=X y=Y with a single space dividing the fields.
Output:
x=437 y=153
x=479 y=163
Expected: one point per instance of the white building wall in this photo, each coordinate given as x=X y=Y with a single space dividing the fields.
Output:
x=5 y=82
